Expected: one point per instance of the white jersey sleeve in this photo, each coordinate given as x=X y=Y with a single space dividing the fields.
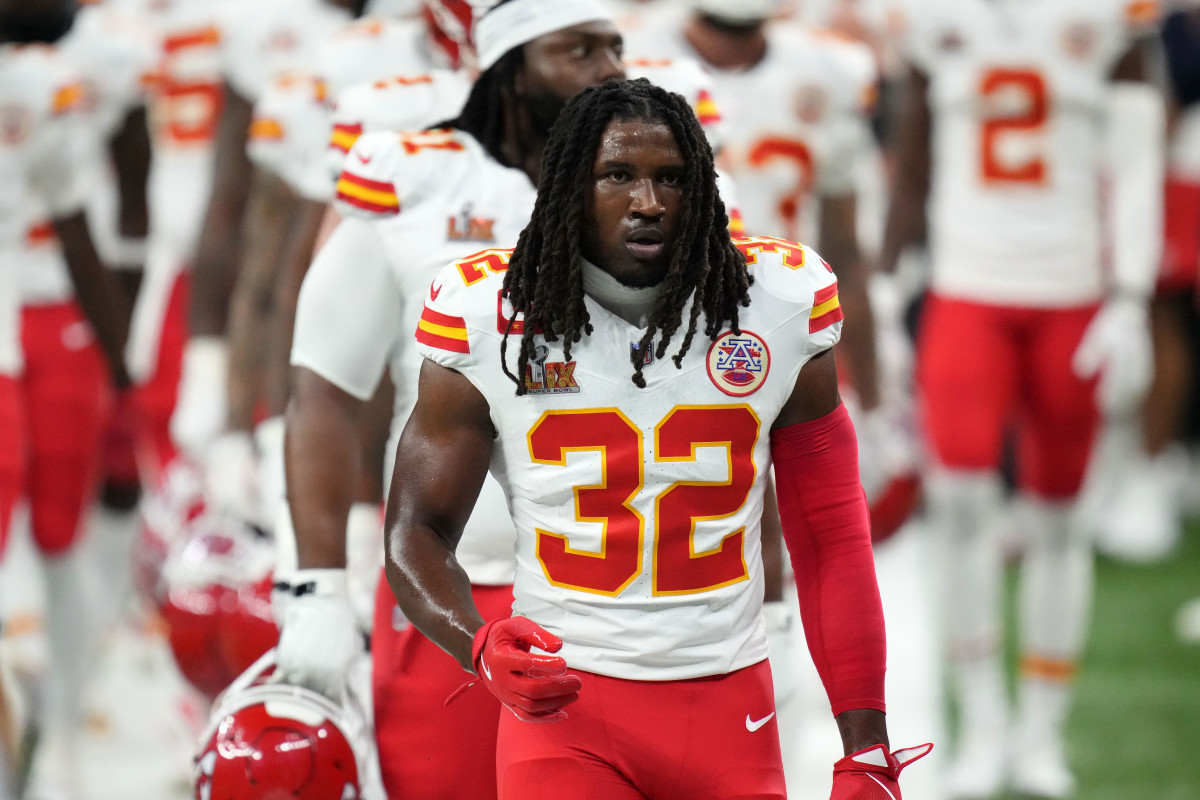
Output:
x=349 y=281
x=386 y=172
x=288 y=132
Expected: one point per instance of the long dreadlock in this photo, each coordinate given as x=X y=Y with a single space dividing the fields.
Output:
x=544 y=280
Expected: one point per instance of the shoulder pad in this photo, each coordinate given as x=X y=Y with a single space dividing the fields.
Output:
x=796 y=274
x=442 y=330
x=399 y=103
x=386 y=171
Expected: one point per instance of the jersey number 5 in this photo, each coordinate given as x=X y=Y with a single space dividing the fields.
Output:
x=678 y=567
x=1017 y=87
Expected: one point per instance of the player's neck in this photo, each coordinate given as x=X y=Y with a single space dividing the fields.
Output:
x=726 y=47
x=631 y=304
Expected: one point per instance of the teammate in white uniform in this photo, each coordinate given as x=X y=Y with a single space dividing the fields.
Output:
x=47 y=155
x=1014 y=110
x=637 y=498
x=796 y=139
x=289 y=192
x=258 y=43
x=411 y=202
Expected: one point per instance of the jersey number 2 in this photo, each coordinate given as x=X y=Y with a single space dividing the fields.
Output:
x=678 y=568
x=1031 y=88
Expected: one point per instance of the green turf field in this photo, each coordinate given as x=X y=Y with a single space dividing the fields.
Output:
x=1135 y=731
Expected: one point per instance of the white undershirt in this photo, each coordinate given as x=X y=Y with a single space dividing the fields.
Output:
x=630 y=303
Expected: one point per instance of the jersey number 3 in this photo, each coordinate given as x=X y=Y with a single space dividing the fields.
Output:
x=678 y=568
x=1018 y=88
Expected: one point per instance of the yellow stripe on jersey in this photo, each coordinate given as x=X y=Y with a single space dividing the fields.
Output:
x=377 y=196
x=68 y=98
x=265 y=128
x=343 y=137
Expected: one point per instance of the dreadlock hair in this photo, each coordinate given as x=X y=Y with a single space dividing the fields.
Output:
x=486 y=111
x=544 y=280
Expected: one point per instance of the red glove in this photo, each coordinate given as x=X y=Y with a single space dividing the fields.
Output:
x=873 y=773
x=533 y=686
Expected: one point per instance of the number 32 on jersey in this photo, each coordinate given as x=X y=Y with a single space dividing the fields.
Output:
x=677 y=568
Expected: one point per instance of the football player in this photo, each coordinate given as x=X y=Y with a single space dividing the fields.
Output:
x=796 y=140
x=1012 y=113
x=49 y=154
x=633 y=451
x=410 y=202
x=289 y=136
x=257 y=44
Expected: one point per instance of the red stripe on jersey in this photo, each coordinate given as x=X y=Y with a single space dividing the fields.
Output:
x=367 y=183
x=825 y=320
x=367 y=205
x=825 y=295
x=438 y=318
x=442 y=342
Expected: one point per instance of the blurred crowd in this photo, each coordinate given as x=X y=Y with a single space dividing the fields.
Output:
x=1007 y=190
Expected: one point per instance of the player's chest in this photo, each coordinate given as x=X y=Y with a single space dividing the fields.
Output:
x=779 y=122
x=738 y=378
x=1004 y=60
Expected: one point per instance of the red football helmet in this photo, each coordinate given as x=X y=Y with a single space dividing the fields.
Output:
x=271 y=741
x=450 y=24
x=217 y=600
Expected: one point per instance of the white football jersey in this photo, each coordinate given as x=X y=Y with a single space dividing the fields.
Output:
x=290 y=133
x=795 y=124
x=48 y=156
x=638 y=510
x=437 y=196
x=396 y=103
x=268 y=38
x=1017 y=93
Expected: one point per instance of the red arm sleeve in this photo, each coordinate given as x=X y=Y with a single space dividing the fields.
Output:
x=828 y=534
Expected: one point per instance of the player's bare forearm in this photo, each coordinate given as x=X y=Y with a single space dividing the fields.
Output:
x=862 y=727
x=96 y=292
x=130 y=150
x=321 y=456
x=839 y=246
x=214 y=269
x=905 y=223
x=270 y=213
x=298 y=254
x=441 y=462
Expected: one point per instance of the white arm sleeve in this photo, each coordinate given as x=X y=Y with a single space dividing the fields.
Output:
x=348 y=316
x=1135 y=154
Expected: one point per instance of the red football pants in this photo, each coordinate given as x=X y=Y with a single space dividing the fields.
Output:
x=429 y=750
x=68 y=399
x=700 y=739
x=985 y=371
x=1181 y=240
x=12 y=454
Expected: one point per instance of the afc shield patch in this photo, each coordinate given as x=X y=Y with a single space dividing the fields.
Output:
x=738 y=363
